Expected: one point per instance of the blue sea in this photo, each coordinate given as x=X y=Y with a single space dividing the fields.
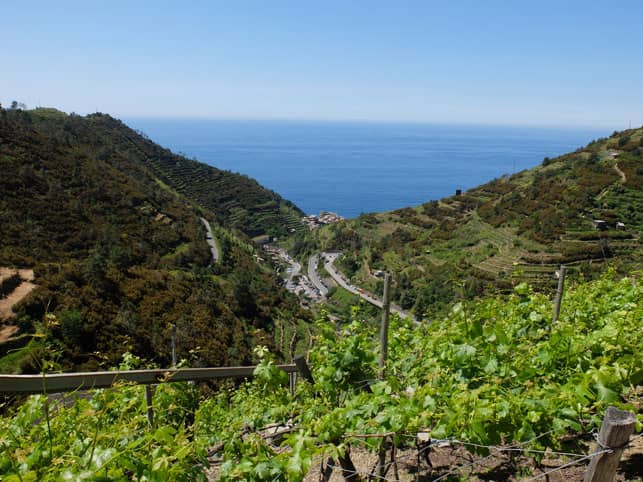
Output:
x=357 y=167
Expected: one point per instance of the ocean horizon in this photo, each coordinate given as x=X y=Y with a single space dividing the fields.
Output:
x=360 y=167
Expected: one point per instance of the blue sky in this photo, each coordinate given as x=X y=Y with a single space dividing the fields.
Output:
x=562 y=63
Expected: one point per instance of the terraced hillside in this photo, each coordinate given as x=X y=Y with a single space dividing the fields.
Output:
x=583 y=209
x=118 y=256
x=238 y=201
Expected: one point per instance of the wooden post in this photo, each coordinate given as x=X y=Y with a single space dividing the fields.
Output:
x=302 y=366
x=381 y=460
x=559 y=292
x=386 y=308
x=150 y=408
x=173 y=345
x=615 y=432
x=349 y=472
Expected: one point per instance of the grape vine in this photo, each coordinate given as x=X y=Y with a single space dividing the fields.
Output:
x=492 y=371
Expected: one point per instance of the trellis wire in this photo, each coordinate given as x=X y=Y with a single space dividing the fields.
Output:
x=579 y=457
x=348 y=473
x=569 y=464
x=514 y=449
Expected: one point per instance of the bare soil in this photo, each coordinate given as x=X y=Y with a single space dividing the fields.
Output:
x=6 y=332
x=25 y=287
x=454 y=462
x=457 y=463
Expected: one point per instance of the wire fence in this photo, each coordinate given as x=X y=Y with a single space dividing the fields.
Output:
x=423 y=447
x=482 y=462
x=347 y=474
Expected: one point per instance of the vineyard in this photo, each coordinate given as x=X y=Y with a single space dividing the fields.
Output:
x=580 y=209
x=492 y=373
x=238 y=201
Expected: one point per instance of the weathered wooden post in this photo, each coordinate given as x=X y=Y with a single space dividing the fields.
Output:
x=615 y=432
x=559 y=292
x=380 y=470
x=386 y=308
x=302 y=366
x=173 y=345
x=150 y=408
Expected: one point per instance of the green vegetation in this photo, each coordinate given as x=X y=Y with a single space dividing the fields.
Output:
x=110 y=224
x=492 y=370
x=103 y=437
x=238 y=201
x=341 y=303
x=119 y=255
x=516 y=228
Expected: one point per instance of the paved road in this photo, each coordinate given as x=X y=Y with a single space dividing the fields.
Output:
x=295 y=267
x=211 y=241
x=372 y=299
x=314 y=276
x=303 y=284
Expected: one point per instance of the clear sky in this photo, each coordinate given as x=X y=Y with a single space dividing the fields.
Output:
x=558 y=63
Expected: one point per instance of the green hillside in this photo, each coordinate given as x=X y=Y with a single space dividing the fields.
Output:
x=515 y=228
x=238 y=201
x=119 y=254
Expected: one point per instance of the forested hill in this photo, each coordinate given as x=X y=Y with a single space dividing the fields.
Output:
x=519 y=227
x=119 y=254
x=237 y=201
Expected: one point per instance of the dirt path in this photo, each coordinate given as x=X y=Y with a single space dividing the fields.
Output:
x=620 y=173
x=23 y=289
x=6 y=332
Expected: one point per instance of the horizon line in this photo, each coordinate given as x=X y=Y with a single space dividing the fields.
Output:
x=596 y=127
x=356 y=120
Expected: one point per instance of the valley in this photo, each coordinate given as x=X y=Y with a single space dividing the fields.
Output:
x=321 y=241
x=135 y=261
x=577 y=210
x=119 y=251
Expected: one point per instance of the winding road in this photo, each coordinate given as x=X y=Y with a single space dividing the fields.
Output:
x=314 y=276
x=302 y=283
x=211 y=241
x=294 y=270
x=372 y=299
